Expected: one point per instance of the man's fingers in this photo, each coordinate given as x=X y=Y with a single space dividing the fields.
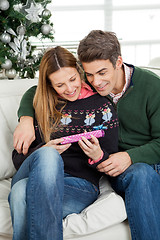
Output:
x=113 y=173
x=104 y=164
x=106 y=169
x=15 y=143
x=25 y=147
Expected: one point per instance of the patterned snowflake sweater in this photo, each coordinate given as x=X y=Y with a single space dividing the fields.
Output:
x=79 y=116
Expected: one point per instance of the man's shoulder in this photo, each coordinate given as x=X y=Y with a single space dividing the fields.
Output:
x=145 y=75
x=146 y=72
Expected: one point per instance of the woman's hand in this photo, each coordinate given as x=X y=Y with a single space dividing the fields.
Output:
x=24 y=135
x=91 y=147
x=56 y=144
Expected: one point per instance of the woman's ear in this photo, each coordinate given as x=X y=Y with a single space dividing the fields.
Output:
x=119 y=62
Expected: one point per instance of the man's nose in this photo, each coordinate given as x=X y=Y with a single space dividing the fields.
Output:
x=96 y=80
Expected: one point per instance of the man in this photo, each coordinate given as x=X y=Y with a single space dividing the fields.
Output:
x=135 y=94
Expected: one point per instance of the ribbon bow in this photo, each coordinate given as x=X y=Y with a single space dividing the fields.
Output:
x=99 y=127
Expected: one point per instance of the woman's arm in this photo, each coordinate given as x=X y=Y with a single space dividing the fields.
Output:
x=99 y=150
x=24 y=133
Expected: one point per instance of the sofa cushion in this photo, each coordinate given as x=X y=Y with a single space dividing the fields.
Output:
x=10 y=95
x=5 y=217
x=106 y=211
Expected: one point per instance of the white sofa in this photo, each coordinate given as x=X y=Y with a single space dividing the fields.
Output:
x=105 y=219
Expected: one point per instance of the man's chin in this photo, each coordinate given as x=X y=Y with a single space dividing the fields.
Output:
x=103 y=93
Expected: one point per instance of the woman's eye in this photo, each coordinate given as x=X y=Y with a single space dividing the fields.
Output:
x=73 y=79
x=88 y=75
x=60 y=85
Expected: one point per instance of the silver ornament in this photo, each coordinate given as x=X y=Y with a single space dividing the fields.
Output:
x=11 y=31
x=46 y=13
x=21 y=30
x=11 y=73
x=5 y=37
x=4 y=5
x=45 y=29
x=7 y=64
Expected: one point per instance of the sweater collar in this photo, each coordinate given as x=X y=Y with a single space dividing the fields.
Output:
x=86 y=91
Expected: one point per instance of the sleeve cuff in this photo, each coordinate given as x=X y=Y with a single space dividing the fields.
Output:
x=91 y=162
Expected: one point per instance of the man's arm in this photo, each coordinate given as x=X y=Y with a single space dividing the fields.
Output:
x=24 y=133
x=26 y=104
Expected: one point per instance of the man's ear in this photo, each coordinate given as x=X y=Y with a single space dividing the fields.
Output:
x=119 y=62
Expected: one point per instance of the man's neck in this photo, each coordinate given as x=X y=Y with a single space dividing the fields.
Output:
x=120 y=82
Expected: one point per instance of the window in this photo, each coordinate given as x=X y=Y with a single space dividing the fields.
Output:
x=136 y=24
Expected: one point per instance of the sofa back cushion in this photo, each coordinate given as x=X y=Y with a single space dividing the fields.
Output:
x=11 y=92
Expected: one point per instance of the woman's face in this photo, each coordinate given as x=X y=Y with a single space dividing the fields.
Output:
x=67 y=83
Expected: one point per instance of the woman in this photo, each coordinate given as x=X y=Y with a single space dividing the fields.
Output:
x=54 y=179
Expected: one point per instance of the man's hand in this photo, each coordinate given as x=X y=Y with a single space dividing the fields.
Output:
x=24 y=135
x=116 y=164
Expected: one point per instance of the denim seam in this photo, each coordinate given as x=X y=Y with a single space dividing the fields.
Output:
x=32 y=215
x=95 y=191
x=131 y=222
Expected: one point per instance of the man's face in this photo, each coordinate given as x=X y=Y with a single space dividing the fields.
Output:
x=103 y=76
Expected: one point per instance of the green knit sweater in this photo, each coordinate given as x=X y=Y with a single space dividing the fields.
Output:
x=139 y=116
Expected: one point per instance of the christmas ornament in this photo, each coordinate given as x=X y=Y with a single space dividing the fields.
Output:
x=11 y=31
x=4 y=5
x=24 y=51
x=21 y=30
x=17 y=7
x=32 y=11
x=5 y=37
x=7 y=64
x=46 y=14
x=19 y=46
x=45 y=29
x=11 y=73
x=2 y=74
x=14 y=47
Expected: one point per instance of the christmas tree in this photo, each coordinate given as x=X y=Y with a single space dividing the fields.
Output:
x=20 y=21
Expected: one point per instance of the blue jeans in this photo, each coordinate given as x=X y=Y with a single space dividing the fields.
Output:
x=140 y=186
x=42 y=195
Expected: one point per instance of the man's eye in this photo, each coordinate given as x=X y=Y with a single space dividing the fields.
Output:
x=102 y=73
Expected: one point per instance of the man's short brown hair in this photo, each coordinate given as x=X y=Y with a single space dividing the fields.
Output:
x=99 y=45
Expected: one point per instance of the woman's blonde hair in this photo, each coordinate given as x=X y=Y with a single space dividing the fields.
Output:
x=48 y=106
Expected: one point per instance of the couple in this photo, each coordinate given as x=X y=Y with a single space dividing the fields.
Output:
x=132 y=170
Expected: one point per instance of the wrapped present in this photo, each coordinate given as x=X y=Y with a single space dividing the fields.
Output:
x=77 y=137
